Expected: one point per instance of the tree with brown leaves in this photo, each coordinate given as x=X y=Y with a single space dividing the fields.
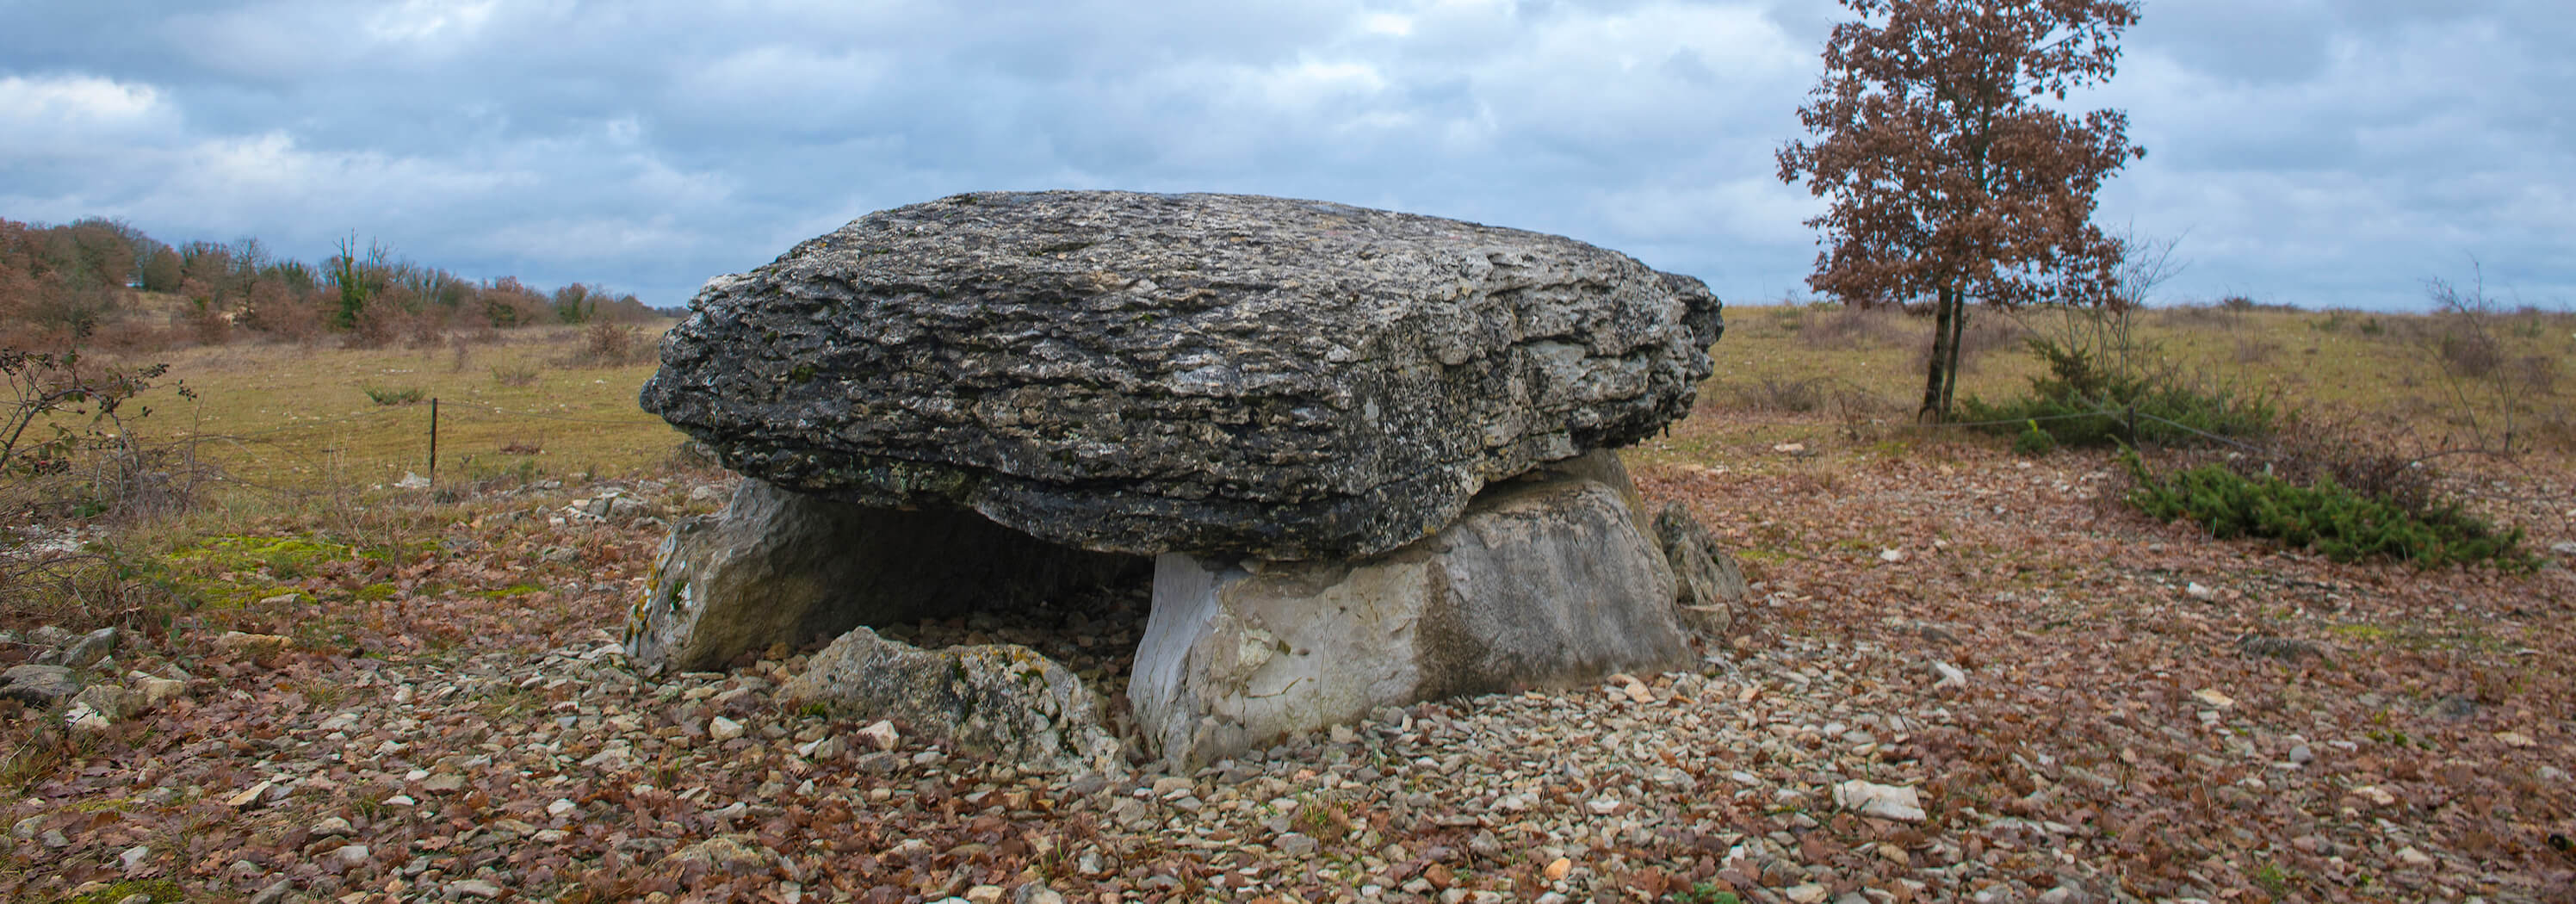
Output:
x=1947 y=178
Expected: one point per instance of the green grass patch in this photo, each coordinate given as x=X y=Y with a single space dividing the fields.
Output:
x=158 y=891
x=384 y=395
x=2336 y=522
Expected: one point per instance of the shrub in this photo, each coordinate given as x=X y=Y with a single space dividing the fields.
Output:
x=606 y=344
x=408 y=395
x=1852 y=327
x=67 y=443
x=514 y=375
x=2343 y=525
x=2033 y=441
x=1776 y=394
x=2080 y=404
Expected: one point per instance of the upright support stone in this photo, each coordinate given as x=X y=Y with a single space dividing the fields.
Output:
x=1550 y=579
x=779 y=567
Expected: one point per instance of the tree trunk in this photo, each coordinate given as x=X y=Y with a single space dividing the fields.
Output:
x=1936 y=407
x=1958 y=330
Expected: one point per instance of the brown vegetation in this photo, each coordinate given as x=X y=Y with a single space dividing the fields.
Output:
x=99 y=283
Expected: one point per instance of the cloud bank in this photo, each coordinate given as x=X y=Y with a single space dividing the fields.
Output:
x=2308 y=152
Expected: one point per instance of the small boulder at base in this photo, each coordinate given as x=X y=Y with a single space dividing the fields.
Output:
x=1708 y=584
x=779 y=567
x=1205 y=373
x=1551 y=579
x=1001 y=700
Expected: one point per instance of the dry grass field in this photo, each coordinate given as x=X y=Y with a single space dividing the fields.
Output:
x=2094 y=706
x=308 y=416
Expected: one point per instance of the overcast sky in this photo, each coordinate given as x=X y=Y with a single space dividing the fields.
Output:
x=2309 y=152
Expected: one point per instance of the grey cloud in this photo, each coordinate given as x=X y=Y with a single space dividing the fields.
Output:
x=2315 y=152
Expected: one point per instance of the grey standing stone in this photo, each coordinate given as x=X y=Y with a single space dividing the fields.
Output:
x=1546 y=580
x=1215 y=374
x=1002 y=700
x=780 y=567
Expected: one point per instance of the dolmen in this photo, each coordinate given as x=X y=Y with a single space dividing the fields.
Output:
x=1363 y=454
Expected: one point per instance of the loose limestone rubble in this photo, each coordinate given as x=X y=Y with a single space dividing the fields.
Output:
x=1000 y=700
x=1364 y=452
x=1143 y=373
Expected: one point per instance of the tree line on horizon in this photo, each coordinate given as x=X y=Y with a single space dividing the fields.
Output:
x=99 y=281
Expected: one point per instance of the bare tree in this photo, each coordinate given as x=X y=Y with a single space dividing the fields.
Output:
x=1947 y=179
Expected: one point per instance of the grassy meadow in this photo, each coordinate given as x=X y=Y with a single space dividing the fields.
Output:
x=1811 y=373
x=523 y=404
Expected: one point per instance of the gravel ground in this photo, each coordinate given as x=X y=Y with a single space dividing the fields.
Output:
x=2153 y=721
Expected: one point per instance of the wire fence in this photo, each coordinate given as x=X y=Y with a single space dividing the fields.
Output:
x=440 y=422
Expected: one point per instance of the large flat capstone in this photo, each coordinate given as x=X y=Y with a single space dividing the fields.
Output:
x=1213 y=374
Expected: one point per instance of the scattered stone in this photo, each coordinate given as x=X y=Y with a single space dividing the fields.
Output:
x=249 y=797
x=38 y=685
x=474 y=887
x=1550 y=580
x=721 y=729
x=2212 y=698
x=723 y=853
x=348 y=856
x=411 y=481
x=2411 y=857
x=1036 y=893
x=880 y=735
x=1950 y=675
x=275 y=893
x=333 y=827
x=449 y=783
x=1804 y=893
x=778 y=567
x=145 y=693
x=1000 y=700
x=2286 y=649
x=1296 y=844
x=984 y=894
x=91 y=648
x=107 y=700
x=2196 y=591
x=1883 y=801
x=134 y=858
x=1891 y=556
x=259 y=648
x=2377 y=796
x=1215 y=374
x=2514 y=739
x=81 y=717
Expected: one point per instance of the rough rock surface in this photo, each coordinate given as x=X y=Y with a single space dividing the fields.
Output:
x=778 y=567
x=40 y=685
x=1144 y=373
x=1000 y=700
x=1706 y=581
x=1547 y=580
